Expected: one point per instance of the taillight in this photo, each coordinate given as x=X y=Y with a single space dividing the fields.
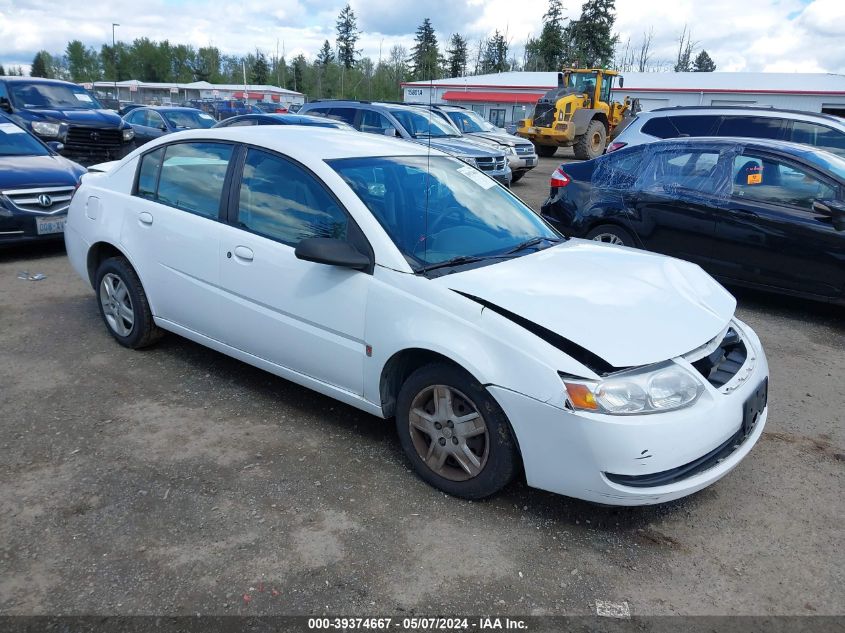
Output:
x=560 y=178
x=615 y=146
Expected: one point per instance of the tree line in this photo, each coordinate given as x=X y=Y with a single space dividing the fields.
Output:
x=339 y=69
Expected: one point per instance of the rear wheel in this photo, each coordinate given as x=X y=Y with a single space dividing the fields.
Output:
x=591 y=144
x=454 y=433
x=546 y=151
x=517 y=177
x=611 y=234
x=123 y=304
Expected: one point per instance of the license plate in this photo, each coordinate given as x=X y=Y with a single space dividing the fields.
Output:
x=753 y=407
x=45 y=226
x=529 y=162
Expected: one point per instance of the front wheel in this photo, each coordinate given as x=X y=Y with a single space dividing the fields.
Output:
x=454 y=433
x=546 y=151
x=516 y=177
x=591 y=144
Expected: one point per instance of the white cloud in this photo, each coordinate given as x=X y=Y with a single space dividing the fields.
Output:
x=783 y=35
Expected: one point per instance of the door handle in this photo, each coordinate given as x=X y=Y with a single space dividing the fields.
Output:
x=244 y=253
x=145 y=217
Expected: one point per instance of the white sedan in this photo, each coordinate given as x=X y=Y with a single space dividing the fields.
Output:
x=412 y=286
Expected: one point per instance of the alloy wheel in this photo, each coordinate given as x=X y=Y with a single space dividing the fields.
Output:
x=449 y=433
x=609 y=238
x=117 y=305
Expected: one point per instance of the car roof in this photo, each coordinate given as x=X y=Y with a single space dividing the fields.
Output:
x=168 y=108
x=728 y=110
x=312 y=143
x=761 y=143
x=38 y=80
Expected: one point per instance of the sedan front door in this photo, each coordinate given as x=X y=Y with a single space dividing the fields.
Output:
x=303 y=316
x=771 y=235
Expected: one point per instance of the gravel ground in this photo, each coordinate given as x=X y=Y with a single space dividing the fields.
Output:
x=176 y=480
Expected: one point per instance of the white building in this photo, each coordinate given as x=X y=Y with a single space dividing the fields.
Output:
x=174 y=93
x=506 y=98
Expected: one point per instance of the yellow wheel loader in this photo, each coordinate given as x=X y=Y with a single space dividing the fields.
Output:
x=578 y=113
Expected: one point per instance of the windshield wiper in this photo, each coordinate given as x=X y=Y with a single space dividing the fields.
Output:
x=454 y=261
x=534 y=241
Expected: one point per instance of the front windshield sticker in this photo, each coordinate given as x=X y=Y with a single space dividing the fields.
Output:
x=81 y=96
x=10 y=128
x=477 y=177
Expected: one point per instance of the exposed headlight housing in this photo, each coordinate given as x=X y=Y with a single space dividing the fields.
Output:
x=469 y=160
x=4 y=212
x=664 y=387
x=45 y=128
x=128 y=134
x=510 y=149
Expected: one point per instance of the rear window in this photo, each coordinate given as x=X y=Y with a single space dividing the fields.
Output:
x=694 y=125
x=752 y=126
x=660 y=127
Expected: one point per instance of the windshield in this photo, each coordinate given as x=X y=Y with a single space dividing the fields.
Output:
x=469 y=121
x=583 y=82
x=16 y=142
x=468 y=213
x=188 y=120
x=422 y=124
x=830 y=162
x=51 y=96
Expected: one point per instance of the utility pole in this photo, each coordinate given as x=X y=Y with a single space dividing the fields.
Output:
x=114 y=57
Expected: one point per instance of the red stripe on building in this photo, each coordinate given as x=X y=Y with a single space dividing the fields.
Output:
x=501 y=97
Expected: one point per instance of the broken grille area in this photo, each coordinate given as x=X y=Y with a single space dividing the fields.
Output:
x=725 y=361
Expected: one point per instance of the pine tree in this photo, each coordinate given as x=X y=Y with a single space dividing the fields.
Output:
x=260 y=70
x=2 y=71
x=457 y=61
x=425 y=55
x=703 y=63
x=40 y=65
x=550 y=45
x=593 y=42
x=347 y=37
x=326 y=55
x=495 y=59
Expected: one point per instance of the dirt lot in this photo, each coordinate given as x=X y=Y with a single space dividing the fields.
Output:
x=177 y=480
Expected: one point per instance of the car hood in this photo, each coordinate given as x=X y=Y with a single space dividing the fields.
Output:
x=502 y=138
x=628 y=307
x=458 y=146
x=22 y=172
x=87 y=118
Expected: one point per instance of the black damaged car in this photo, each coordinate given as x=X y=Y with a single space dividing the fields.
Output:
x=752 y=212
x=61 y=111
x=36 y=185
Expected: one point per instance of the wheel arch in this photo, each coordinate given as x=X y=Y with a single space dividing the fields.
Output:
x=97 y=254
x=616 y=222
x=401 y=365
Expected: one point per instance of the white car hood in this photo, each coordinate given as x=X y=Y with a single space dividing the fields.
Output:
x=627 y=306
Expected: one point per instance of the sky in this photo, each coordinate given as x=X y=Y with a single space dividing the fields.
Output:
x=763 y=35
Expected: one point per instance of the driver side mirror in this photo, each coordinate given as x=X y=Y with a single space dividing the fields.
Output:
x=621 y=82
x=390 y=131
x=5 y=104
x=333 y=252
x=834 y=209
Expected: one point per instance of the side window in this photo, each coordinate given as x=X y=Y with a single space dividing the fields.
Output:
x=619 y=170
x=134 y=118
x=688 y=170
x=660 y=127
x=3 y=93
x=752 y=126
x=192 y=177
x=374 y=122
x=772 y=181
x=318 y=112
x=347 y=115
x=243 y=123
x=819 y=136
x=694 y=125
x=280 y=200
x=148 y=173
x=154 y=119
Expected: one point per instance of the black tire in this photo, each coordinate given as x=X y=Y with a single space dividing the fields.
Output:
x=605 y=232
x=546 y=151
x=517 y=177
x=502 y=456
x=143 y=330
x=591 y=144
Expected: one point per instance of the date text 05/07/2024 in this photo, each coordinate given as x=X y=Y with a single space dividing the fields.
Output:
x=417 y=624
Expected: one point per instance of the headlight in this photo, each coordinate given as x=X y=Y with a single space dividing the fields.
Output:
x=128 y=134
x=43 y=128
x=665 y=387
x=510 y=149
x=4 y=212
x=469 y=160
